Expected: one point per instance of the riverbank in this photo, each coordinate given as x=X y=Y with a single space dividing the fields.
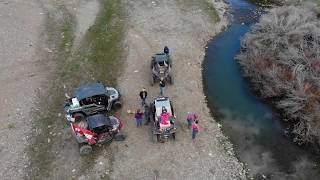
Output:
x=253 y=127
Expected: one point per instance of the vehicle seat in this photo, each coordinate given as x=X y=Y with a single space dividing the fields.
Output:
x=164 y=126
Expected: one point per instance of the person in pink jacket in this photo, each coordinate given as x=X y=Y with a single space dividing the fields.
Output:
x=165 y=117
x=191 y=118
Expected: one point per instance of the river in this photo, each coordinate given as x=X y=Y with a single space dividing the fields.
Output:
x=252 y=126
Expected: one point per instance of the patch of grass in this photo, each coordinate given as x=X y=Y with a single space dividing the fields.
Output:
x=100 y=54
x=41 y=151
x=11 y=126
x=204 y=5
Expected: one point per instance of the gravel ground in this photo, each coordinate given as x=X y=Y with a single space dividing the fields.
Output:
x=20 y=76
x=185 y=30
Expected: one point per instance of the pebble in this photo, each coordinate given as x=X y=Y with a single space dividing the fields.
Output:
x=73 y=170
x=49 y=51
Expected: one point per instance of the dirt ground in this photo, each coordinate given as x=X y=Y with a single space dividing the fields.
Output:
x=21 y=74
x=185 y=30
x=25 y=68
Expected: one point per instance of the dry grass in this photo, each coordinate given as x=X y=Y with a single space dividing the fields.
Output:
x=281 y=57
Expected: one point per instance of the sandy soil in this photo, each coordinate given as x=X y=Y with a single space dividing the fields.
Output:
x=151 y=26
x=21 y=74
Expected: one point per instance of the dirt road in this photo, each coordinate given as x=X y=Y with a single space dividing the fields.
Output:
x=184 y=28
x=21 y=74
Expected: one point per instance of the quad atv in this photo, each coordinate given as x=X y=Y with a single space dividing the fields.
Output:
x=91 y=99
x=159 y=131
x=161 y=67
x=98 y=128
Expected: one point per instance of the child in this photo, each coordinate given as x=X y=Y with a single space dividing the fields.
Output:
x=139 y=117
x=195 y=129
x=191 y=118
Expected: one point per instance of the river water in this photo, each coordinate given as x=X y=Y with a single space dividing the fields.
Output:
x=252 y=126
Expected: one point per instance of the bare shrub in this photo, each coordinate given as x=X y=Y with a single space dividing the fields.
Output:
x=281 y=56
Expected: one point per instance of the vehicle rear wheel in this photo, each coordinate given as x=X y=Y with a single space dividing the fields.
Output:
x=158 y=138
x=85 y=150
x=78 y=117
x=119 y=137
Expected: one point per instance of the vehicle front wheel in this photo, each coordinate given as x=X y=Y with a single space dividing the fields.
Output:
x=78 y=117
x=85 y=150
x=158 y=138
x=174 y=136
x=117 y=105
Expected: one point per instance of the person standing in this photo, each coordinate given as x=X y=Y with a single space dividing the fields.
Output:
x=166 y=50
x=162 y=85
x=195 y=129
x=139 y=117
x=191 y=118
x=146 y=115
x=143 y=96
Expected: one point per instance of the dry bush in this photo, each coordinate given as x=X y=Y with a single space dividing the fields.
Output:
x=281 y=56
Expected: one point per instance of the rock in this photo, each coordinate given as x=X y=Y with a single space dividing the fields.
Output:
x=49 y=51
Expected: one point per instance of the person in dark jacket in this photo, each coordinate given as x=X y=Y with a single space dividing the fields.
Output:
x=166 y=50
x=143 y=96
x=146 y=114
x=162 y=85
